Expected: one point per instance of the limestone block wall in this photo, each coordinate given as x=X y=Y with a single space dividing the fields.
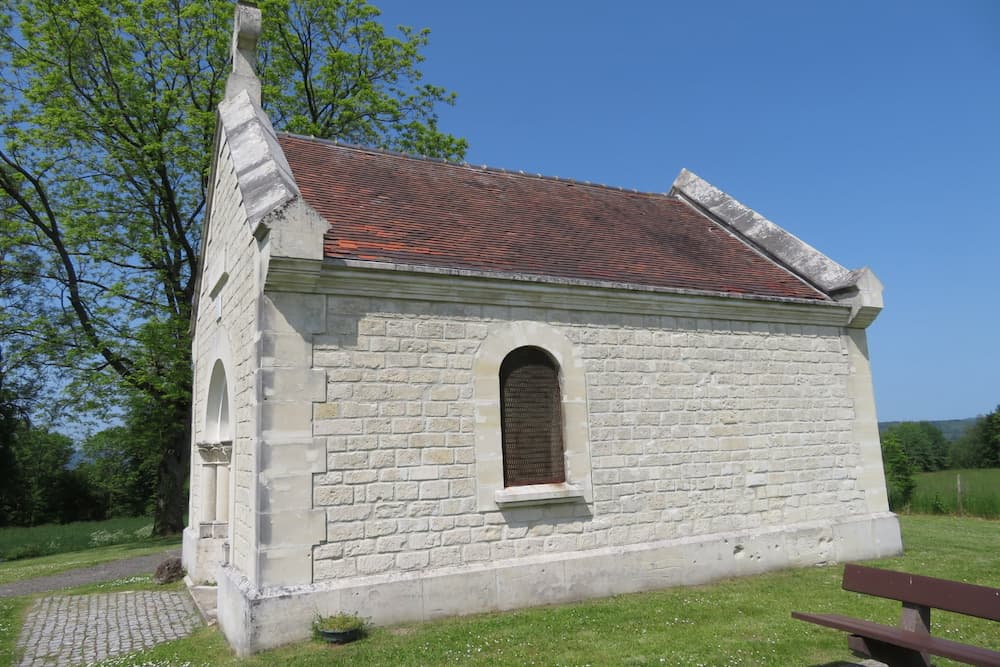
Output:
x=695 y=427
x=288 y=387
x=226 y=330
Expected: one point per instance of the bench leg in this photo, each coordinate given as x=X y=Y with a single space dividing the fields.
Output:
x=915 y=618
x=890 y=654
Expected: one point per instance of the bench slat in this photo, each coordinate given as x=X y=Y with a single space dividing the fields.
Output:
x=973 y=655
x=968 y=599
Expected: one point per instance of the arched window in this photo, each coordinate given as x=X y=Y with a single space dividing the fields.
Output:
x=500 y=441
x=531 y=419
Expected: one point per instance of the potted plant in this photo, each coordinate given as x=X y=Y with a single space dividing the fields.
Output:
x=338 y=629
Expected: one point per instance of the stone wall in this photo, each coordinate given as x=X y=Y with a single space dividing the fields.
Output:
x=225 y=330
x=696 y=427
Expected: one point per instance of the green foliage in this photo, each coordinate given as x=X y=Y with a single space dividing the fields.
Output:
x=43 y=488
x=120 y=469
x=36 y=484
x=924 y=444
x=107 y=115
x=122 y=464
x=328 y=69
x=41 y=458
x=16 y=397
x=938 y=493
x=899 y=481
x=979 y=447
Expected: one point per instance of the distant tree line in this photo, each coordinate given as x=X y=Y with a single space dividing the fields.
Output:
x=912 y=447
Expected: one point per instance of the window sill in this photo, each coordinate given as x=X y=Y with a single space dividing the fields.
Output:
x=537 y=494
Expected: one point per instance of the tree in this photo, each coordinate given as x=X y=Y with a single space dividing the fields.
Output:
x=107 y=115
x=924 y=444
x=13 y=420
x=19 y=393
x=41 y=459
x=120 y=462
x=979 y=446
x=899 y=482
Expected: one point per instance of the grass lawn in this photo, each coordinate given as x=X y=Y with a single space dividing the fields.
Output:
x=735 y=622
x=18 y=542
x=11 y=616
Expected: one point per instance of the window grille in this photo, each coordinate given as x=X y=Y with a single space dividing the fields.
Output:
x=531 y=418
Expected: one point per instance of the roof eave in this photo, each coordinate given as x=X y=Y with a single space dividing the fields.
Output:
x=423 y=283
x=556 y=281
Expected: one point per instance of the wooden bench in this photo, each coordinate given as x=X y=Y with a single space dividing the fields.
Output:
x=912 y=643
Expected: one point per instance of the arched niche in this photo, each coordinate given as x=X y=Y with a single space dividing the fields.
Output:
x=217 y=424
x=216 y=449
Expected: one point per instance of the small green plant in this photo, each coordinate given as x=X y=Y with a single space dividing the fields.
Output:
x=338 y=629
x=938 y=506
x=338 y=623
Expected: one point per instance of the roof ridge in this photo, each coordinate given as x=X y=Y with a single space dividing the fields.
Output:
x=469 y=165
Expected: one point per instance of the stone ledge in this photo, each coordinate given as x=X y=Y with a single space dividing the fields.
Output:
x=538 y=494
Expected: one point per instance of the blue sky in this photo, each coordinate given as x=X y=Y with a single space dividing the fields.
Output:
x=871 y=130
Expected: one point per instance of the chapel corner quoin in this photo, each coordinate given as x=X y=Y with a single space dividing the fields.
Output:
x=425 y=389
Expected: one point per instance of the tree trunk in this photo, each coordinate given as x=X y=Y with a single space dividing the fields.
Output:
x=172 y=474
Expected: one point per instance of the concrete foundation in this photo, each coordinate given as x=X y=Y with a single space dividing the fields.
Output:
x=255 y=620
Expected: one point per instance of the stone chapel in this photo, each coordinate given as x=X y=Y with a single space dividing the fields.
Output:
x=425 y=388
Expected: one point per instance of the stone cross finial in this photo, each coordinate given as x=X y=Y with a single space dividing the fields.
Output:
x=246 y=32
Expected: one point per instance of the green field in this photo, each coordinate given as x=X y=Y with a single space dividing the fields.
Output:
x=938 y=493
x=50 y=539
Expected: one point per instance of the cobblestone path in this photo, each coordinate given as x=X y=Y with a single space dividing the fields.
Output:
x=80 y=629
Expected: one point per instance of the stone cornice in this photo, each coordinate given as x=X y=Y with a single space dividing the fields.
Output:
x=859 y=289
x=418 y=283
x=793 y=252
x=264 y=177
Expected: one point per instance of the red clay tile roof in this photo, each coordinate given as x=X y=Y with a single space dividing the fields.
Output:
x=387 y=207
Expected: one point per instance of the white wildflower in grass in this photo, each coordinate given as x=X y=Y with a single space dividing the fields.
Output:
x=6 y=610
x=102 y=537
x=138 y=661
x=127 y=581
